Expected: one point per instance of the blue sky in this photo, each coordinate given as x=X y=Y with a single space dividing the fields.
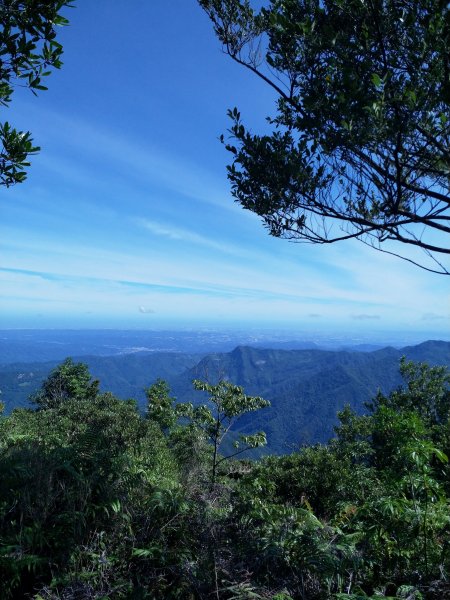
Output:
x=126 y=219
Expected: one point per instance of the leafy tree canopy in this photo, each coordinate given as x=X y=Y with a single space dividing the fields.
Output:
x=359 y=146
x=69 y=381
x=227 y=403
x=28 y=51
x=427 y=393
x=98 y=501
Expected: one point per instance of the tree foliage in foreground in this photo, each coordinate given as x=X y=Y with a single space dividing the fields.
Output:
x=68 y=381
x=98 y=501
x=28 y=51
x=359 y=146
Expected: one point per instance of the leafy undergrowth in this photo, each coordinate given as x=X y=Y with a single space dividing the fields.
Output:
x=99 y=502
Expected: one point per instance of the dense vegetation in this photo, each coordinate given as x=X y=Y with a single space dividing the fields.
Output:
x=98 y=501
x=306 y=388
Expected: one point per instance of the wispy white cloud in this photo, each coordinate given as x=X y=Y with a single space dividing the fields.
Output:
x=184 y=235
x=81 y=234
x=158 y=267
x=127 y=158
x=146 y=311
x=434 y=317
x=100 y=298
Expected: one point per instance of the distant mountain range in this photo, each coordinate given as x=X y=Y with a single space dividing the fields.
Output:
x=126 y=375
x=306 y=387
x=35 y=345
x=41 y=345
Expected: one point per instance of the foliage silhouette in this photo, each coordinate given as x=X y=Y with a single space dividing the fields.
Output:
x=359 y=147
x=29 y=51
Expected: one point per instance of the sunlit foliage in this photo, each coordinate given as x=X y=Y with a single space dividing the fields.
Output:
x=99 y=501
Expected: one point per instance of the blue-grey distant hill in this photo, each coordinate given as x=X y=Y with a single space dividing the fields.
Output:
x=126 y=375
x=35 y=345
x=306 y=387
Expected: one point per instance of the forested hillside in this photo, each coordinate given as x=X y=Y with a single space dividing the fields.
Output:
x=126 y=375
x=99 y=501
x=306 y=388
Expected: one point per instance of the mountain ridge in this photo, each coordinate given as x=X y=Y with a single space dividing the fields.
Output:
x=306 y=387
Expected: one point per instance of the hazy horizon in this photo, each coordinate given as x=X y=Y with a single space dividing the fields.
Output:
x=245 y=333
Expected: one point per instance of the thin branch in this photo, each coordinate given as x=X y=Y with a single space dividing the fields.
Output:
x=444 y=271
x=240 y=451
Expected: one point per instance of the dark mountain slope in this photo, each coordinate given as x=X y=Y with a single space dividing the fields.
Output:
x=432 y=352
x=126 y=376
x=306 y=387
